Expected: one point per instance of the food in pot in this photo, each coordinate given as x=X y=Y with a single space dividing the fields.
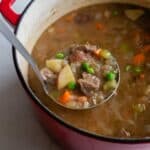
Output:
x=122 y=29
x=88 y=75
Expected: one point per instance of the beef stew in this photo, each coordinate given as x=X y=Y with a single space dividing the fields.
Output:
x=125 y=31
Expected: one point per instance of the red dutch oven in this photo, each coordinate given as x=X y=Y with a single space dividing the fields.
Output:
x=37 y=16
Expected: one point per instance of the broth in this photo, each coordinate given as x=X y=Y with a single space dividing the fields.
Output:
x=125 y=31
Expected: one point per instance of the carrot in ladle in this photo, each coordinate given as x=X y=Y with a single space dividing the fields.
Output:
x=65 y=98
x=97 y=52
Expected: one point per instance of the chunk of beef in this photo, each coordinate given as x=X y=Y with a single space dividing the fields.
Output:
x=89 y=83
x=78 y=56
x=79 y=53
x=48 y=76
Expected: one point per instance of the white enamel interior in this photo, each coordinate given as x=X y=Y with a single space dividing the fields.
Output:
x=43 y=13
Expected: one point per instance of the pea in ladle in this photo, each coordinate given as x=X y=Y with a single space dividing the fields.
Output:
x=10 y=36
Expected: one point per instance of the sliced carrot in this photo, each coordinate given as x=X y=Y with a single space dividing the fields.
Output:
x=146 y=48
x=65 y=98
x=139 y=59
x=100 y=26
x=97 y=52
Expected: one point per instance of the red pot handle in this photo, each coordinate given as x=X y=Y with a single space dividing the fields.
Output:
x=8 y=11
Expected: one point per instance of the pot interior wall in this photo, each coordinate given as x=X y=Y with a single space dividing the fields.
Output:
x=43 y=13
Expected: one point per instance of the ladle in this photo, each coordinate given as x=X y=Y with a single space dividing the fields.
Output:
x=10 y=36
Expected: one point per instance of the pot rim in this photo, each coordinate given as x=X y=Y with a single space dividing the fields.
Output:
x=59 y=120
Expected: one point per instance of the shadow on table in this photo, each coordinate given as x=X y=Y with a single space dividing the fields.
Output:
x=18 y=123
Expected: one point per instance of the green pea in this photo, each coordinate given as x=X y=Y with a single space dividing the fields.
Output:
x=85 y=66
x=72 y=85
x=111 y=76
x=137 y=69
x=128 y=68
x=90 y=70
x=60 y=55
